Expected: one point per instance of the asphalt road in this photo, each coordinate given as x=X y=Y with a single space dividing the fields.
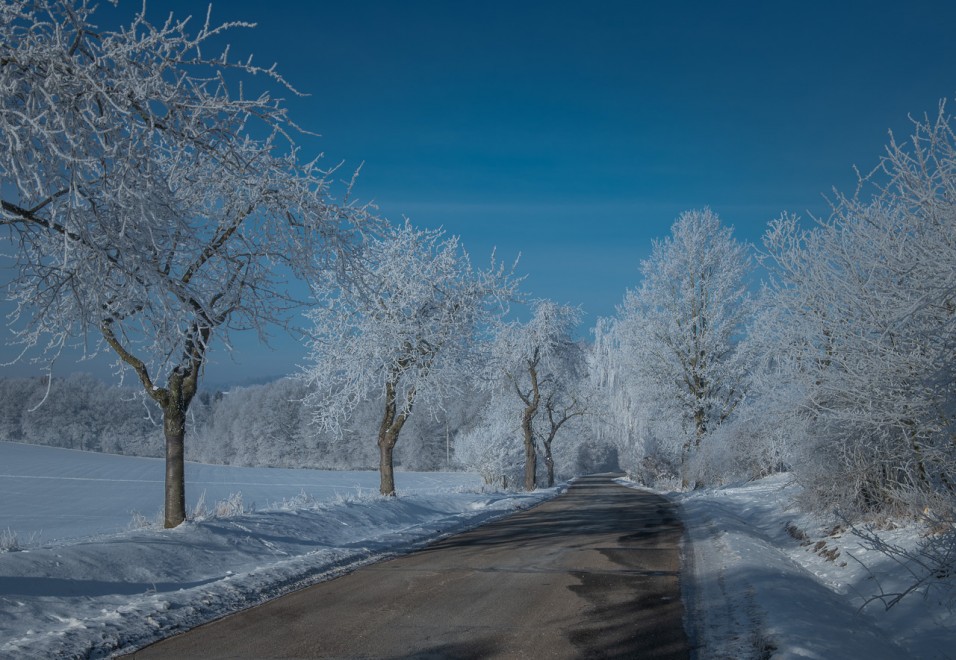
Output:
x=592 y=573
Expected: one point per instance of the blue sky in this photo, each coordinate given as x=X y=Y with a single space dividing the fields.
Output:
x=574 y=133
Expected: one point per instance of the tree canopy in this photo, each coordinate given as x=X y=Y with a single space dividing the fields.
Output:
x=403 y=324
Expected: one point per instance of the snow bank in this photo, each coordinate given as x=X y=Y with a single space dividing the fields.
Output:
x=758 y=591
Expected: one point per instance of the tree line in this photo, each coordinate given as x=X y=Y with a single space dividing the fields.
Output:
x=266 y=425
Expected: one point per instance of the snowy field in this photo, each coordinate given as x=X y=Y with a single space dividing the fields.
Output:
x=52 y=495
x=85 y=585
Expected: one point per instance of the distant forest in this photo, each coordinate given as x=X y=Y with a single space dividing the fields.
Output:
x=259 y=425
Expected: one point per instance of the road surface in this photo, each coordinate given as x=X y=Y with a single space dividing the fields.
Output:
x=592 y=573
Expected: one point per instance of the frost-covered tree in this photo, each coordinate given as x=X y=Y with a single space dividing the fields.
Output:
x=79 y=412
x=861 y=327
x=403 y=326
x=627 y=415
x=617 y=417
x=258 y=425
x=539 y=362
x=567 y=399
x=680 y=330
x=151 y=202
x=491 y=447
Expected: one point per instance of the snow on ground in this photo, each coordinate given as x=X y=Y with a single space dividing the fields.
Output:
x=82 y=588
x=759 y=591
x=84 y=585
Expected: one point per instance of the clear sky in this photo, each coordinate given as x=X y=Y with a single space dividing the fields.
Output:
x=575 y=132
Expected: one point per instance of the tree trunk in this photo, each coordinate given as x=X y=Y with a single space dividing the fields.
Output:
x=700 y=426
x=386 y=469
x=392 y=423
x=685 y=465
x=530 y=451
x=549 y=462
x=174 y=401
x=692 y=447
x=531 y=402
x=174 y=428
